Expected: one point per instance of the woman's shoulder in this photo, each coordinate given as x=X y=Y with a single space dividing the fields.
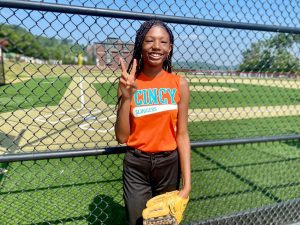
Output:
x=181 y=81
x=173 y=75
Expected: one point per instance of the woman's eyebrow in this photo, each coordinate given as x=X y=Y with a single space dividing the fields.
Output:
x=161 y=37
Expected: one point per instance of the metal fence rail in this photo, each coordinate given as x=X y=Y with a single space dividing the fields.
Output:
x=110 y=13
x=58 y=97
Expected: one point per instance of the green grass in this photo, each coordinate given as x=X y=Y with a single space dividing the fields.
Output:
x=225 y=129
x=231 y=179
x=88 y=190
x=33 y=93
x=60 y=191
x=245 y=95
x=221 y=206
x=108 y=92
x=22 y=70
x=226 y=180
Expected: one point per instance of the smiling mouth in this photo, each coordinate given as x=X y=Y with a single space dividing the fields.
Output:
x=155 y=55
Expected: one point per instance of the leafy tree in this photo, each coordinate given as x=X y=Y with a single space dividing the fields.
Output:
x=24 y=42
x=272 y=55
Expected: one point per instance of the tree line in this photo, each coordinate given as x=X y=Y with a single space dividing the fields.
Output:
x=24 y=42
x=272 y=55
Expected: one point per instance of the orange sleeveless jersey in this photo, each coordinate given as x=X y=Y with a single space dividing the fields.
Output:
x=153 y=113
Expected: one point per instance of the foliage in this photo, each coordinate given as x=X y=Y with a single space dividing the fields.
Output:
x=24 y=42
x=272 y=55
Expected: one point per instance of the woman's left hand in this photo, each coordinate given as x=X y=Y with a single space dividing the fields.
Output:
x=184 y=193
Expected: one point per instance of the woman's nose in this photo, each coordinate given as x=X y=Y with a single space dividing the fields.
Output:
x=156 y=45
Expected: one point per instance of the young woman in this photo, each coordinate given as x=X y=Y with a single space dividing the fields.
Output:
x=152 y=120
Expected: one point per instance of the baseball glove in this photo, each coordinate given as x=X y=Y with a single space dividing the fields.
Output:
x=165 y=209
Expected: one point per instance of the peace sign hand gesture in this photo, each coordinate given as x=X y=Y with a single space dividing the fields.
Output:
x=127 y=84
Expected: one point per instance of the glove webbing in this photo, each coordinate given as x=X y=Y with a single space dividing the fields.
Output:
x=162 y=220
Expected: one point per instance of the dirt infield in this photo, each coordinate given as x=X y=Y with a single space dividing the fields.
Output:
x=83 y=121
x=80 y=121
x=295 y=84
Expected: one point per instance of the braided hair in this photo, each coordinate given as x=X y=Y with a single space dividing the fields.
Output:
x=138 y=45
x=139 y=39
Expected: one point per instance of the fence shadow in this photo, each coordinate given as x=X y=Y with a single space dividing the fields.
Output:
x=293 y=143
x=105 y=210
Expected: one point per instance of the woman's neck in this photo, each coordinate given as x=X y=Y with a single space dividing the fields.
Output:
x=152 y=71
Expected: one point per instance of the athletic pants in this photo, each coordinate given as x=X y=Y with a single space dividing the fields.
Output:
x=146 y=175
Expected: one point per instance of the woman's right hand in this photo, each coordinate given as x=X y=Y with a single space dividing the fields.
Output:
x=127 y=84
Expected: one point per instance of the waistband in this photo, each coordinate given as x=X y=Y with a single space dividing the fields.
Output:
x=138 y=152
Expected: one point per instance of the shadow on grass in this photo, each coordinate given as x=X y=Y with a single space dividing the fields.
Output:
x=9 y=142
x=105 y=210
x=3 y=170
x=293 y=143
x=238 y=176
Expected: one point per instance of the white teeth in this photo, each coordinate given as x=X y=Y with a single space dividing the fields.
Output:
x=155 y=54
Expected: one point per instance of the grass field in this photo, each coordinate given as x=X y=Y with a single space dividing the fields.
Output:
x=16 y=72
x=61 y=191
x=33 y=93
x=88 y=190
x=226 y=129
x=226 y=180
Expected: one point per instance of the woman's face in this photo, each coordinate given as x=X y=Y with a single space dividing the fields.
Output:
x=156 y=47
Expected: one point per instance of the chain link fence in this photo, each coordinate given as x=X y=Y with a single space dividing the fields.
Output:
x=59 y=161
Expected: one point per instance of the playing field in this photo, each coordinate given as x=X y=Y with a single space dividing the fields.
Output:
x=74 y=108
x=61 y=108
x=225 y=179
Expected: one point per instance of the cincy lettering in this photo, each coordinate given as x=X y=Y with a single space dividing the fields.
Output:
x=154 y=96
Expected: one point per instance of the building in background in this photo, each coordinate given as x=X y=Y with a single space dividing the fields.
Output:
x=107 y=53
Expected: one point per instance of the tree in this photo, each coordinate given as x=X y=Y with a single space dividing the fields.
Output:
x=24 y=42
x=272 y=55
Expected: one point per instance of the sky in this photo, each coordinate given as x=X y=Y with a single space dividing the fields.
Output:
x=220 y=46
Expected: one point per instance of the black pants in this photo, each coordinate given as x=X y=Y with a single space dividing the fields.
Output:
x=146 y=175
